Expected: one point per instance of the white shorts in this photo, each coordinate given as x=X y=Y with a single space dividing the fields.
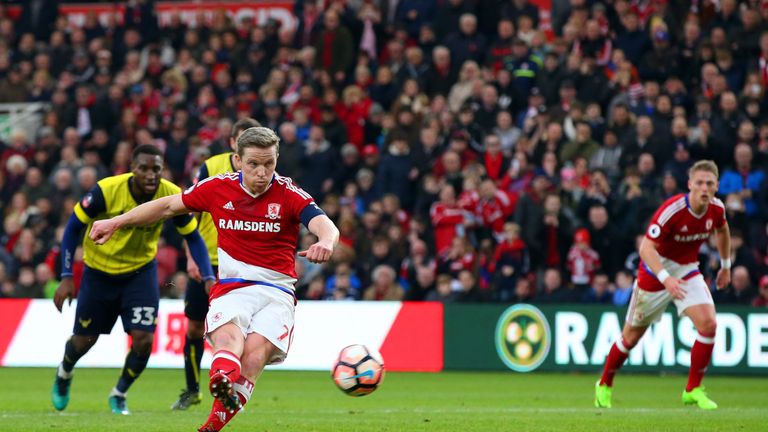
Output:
x=646 y=307
x=256 y=309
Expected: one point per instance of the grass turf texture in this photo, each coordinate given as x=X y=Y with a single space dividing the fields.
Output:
x=450 y=401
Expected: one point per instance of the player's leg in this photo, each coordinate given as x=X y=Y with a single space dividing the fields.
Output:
x=195 y=309
x=76 y=347
x=228 y=343
x=619 y=352
x=257 y=353
x=644 y=308
x=698 y=306
x=703 y=317
x=140 y=302
x=135 y=363
x=227 y=325
x=269 y=335
x=96 y=313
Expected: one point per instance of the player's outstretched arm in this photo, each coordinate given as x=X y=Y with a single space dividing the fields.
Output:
x=327 y=235
x=652 y=259
x=145 y=214
x=724 y=248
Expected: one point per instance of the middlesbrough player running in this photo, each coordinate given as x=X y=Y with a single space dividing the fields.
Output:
x=120 y=278
x=257 y=214
x=196 y=298
x=669 y=273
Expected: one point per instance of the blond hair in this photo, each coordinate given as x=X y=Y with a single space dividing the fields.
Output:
x=260 y=137
x=704 y=165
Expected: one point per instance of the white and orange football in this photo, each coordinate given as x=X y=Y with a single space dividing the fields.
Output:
x=358 y=371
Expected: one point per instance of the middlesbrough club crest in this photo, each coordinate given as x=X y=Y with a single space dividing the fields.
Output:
x=273 y=210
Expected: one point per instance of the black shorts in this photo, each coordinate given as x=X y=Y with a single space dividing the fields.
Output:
x=103 y=297
x=196 y=300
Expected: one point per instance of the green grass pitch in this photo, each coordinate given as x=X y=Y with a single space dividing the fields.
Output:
x=449 y=401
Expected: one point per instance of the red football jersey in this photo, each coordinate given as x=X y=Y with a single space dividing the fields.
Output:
x=258 y=234
x=582 y=263
x=678 y=233
x=445 y=220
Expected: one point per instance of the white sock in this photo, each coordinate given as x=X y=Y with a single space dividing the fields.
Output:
x=64 y=374
x=116 y=392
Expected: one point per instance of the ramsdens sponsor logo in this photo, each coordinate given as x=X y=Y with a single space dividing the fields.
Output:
x=239 y=225
x=692 y=237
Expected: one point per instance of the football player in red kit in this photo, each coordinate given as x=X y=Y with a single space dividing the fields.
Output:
x=257 y=214
x=669 y=272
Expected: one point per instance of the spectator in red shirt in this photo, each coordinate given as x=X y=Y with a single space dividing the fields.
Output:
x=353 y=112
x=494 y=208
x=583 y=261
x=447 y=218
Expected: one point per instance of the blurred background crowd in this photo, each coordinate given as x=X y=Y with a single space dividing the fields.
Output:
x=464 y=153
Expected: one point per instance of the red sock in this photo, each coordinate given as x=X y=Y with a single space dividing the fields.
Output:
x=616 y=357
x=701 y=353
x=220 y=416
x=226 y=362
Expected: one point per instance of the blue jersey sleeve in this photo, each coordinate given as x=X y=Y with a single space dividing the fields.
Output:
x=199 y=253
x=309 y=212
x=203 y=173
x=69 y=243
x=91 y=205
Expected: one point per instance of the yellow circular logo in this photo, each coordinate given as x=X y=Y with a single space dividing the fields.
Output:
x=523 y=337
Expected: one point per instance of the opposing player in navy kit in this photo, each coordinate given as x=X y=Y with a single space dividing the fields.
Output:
x=120 y=279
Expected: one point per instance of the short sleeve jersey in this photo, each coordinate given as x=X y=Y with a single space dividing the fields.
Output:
x=257 y=234
x=130 y=248
x=679 y=233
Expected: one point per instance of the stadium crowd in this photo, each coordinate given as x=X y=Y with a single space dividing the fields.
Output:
x=464 y=153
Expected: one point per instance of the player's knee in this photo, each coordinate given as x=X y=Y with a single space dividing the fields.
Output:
x=142 y=348
x=227 y=337
x=254 y=361
x=142 y=343
x=84 y=342
x=708 y=326
x=630 y=342
x=630 y=338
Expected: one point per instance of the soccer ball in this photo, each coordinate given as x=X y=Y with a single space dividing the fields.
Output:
x=358 y=371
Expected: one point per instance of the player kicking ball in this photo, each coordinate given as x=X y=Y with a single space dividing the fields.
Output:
x=257 y=214
x=669 y=272
x=196 y=298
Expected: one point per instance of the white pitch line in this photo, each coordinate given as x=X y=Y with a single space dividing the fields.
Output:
x=511 y=410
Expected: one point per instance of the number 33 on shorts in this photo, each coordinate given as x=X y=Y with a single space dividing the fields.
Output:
x=143 y=315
